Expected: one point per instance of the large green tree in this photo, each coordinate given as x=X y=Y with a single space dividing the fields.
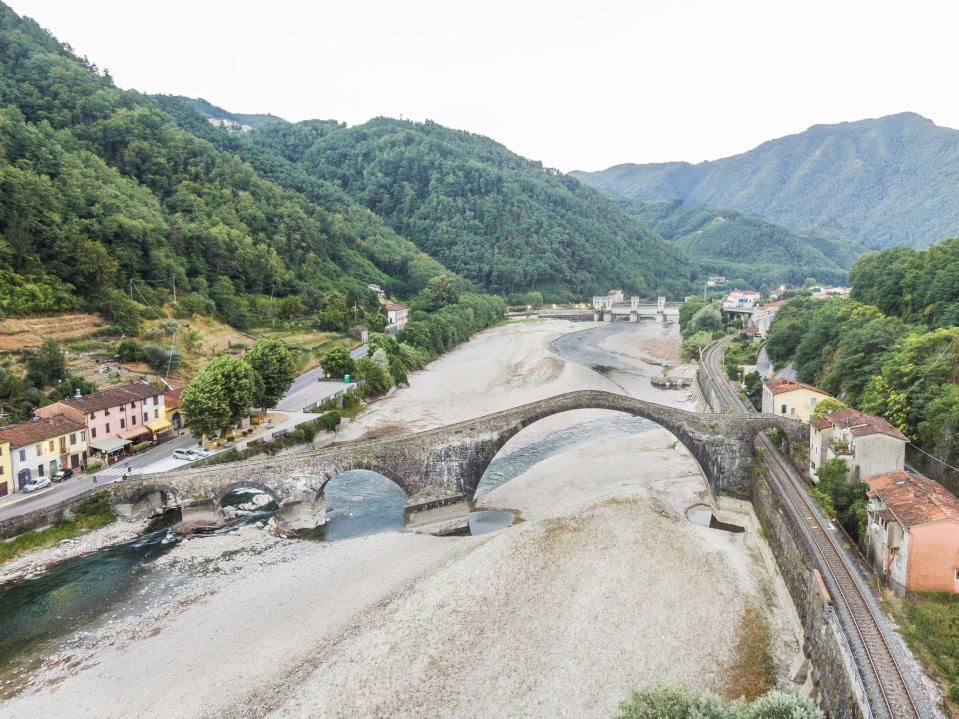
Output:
x=274 y=364
x=220 y=395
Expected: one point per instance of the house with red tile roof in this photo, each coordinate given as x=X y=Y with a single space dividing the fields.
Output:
x=42 y=446
x=912 y=532
x=789 y=398
x=115 y=417
x=868 y=444
x=397 y=314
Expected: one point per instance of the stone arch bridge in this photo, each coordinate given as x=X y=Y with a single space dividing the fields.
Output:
x=442 y=466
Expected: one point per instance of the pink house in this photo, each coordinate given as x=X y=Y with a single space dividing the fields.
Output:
x=115 y=417
x=913 y=532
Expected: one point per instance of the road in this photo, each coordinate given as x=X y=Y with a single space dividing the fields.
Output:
x=305 y=390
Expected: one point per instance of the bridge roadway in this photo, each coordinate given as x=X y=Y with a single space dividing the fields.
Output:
x=440 y=464
x=888 y=690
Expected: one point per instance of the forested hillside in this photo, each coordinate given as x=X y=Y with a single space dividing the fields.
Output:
x=889 y=350
x=885 y=182
x=727 y=242
x=98 y=186
x=505 y=222
x=208 y=109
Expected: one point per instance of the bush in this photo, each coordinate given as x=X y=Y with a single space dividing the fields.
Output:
x=330 y=421
x=350 y=401
x=161 y=358
x=130 y=350
x=954 y=692
x=94 y=466
x=139 y=447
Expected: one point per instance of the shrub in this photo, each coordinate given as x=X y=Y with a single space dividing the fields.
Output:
x=954 y=692
x=139 y=447
x=94 y=466
x=130 y=350
x=161 y=358
x=330 y=421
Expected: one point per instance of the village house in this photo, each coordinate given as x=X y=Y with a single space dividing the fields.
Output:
x=397 y=315
x=42 y=446
x=616 y=295
x=792 y=399
x=868 y=444
x=912 y=532
x=6 y=470
x=741 y=298
x=380 y=292
x=117 y=417
x=716 y=280
x=360 y=332
x=171 y=409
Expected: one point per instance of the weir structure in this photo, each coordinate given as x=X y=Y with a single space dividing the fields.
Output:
x=439 y=469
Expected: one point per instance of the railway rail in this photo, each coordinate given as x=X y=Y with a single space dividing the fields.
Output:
x=888 y=691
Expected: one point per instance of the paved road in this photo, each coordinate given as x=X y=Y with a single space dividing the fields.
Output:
x=312 y=387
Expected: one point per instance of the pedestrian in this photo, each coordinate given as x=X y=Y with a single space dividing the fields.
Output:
x=94 y=479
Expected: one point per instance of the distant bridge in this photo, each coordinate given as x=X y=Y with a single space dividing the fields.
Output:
x=444 y=465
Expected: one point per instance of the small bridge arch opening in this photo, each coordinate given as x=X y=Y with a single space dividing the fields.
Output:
x=362 y=501
x=153 y=501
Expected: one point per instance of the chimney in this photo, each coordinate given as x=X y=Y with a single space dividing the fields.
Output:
x=77 y=393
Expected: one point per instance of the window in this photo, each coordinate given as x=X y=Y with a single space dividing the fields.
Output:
x=156 y=414
x=39 y=449
x=133 y=419
x=50 y=446
x=108 y=428
x=784 y=409
x=106 y=413
x=83 y=436
x=133 y=405
x=146 y=417
x=23 y=455
x=122 y=423
x=93 y=415
x=957 y=575
x=812 y=402
x=153 y=399
x=73 y=439
x=40 y=470
x=93 y=432
x=1 y=470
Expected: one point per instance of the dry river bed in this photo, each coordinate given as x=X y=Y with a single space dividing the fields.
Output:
x=605 y=586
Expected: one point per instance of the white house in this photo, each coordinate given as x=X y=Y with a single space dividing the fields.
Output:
x=397 y=314
x=41 y=447
x=868 y=444
x=741 y=298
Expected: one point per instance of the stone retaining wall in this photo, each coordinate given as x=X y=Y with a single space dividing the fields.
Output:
x=833 y=672
x=43 y=517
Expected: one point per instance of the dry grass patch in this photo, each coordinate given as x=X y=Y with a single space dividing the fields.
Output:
x=752 y=672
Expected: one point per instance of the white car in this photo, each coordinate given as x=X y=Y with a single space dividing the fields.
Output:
x=187 y=454
x=202 y=451
x=39 y=483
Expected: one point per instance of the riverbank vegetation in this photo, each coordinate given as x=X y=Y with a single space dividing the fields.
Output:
x=678 y=702
x=889 y=350
x=94 y=513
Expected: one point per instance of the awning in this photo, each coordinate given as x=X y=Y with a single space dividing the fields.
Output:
x=134 y=432
x=159 y=425
x=109 y=445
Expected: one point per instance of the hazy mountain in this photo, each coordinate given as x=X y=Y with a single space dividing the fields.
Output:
x=887 y=181
x=730 y=243
x=209 y=110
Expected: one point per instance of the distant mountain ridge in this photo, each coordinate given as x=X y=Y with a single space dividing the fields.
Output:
x=885 y=182
x=762 y=253
x=211 y=111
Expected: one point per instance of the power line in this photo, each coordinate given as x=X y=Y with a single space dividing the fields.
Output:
x=918 y=449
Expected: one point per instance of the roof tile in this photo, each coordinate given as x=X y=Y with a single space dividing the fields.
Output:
x=914 y=499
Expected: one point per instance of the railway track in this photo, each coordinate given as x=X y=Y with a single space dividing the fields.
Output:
x=887 y=689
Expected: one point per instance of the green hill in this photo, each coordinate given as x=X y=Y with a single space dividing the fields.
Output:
x=505 y=222
x=99 y=186
x=885 y=182
x=730 y=243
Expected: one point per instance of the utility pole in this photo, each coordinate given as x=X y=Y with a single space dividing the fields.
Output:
x=174 y=290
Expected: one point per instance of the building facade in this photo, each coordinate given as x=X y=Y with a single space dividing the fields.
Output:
x=397 y=314
x=42 y=446
x=115 y=417
x=912 y=532
x=792 y=399
x=7 y=484
x=741 y=298
x=868 y=444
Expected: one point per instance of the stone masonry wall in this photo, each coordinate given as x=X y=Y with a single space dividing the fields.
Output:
x=43 y=517
x=832 y=668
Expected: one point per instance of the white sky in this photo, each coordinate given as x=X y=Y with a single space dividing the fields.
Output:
x=576 y=85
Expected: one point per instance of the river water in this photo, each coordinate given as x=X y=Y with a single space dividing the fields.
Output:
x=40 y=615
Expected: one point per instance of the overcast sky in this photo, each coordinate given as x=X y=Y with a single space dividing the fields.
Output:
x=576 y=85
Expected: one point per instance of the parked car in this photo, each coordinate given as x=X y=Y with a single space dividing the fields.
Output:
x=187 y=454
x=62 y=474
x=202 y=451
x=34 y=484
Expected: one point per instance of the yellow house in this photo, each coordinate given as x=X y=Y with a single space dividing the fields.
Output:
x=792 y=399
x=6 y=470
